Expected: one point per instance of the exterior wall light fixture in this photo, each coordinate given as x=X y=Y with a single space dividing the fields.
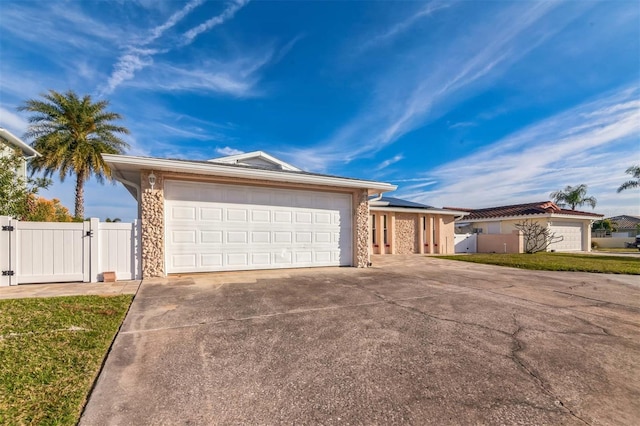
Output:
x=152 y=180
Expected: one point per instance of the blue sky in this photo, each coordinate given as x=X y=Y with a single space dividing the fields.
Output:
x=459 y=103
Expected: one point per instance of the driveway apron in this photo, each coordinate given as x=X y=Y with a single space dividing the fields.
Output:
x=412 y=340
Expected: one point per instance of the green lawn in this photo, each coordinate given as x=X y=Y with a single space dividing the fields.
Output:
x=557 y=262
x=616 y=250
x=51 y=351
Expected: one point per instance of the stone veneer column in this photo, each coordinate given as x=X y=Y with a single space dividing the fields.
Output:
x=361 y=228
x=152 y=226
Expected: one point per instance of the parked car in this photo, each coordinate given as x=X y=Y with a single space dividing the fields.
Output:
x=635 y=244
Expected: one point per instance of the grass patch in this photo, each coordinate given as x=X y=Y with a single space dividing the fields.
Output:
x=616 y=250
x=50 y=352
x=557 y=262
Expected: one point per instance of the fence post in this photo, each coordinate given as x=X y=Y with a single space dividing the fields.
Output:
x=5 y=251
x=86 y=251
x=136 y=250
x=94 y=224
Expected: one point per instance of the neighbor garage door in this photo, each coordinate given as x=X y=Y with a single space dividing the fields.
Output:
x=218 y=227
x=572 y=236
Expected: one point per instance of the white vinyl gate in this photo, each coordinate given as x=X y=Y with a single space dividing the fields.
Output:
x=49 y=252
x=466 y=243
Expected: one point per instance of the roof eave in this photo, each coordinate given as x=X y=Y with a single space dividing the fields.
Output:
x=418 y=210
x=533 y=216
x=217 y=169
x=18 y=143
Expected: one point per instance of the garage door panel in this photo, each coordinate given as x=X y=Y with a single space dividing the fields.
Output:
x=211 y=237
x=212 y=214
x=184 y=260
x=262 y=233
x=304 y=217
x=211 y=260
x=280 y=216
x=261 y=259
x=183 y=213
x=261 y=216
x=571 y=234
x=237 y=215
x=182 y=237
x=258 y=237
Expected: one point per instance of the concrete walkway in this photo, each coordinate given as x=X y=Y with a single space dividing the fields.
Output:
x=69 y=289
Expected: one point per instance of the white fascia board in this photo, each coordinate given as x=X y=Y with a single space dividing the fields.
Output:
x=415 y=210
x=574 y=216
x=18 y=143
x=532 y=216
x=121 y=162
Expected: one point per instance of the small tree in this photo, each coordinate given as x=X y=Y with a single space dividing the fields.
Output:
x=634 y=171
x=536 y=237
x=15 y=190
x=42 y=210
x=573 y=196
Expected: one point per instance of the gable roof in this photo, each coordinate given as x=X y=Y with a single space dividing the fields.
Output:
x=396 y=202
x=400 y=205
x=15 y=141
x=529 y=209
x=256 y=159
x=126 y=169
x=625 y=221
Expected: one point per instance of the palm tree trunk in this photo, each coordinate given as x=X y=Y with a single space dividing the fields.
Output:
x=79 y=208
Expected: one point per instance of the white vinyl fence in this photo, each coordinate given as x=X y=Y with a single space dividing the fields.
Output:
x=49 y=252
x=466 y=243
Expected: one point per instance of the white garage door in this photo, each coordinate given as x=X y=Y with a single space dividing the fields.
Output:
x=216 y=227
x=572 y=236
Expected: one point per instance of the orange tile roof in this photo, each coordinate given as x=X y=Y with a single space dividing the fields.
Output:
x=541 y=208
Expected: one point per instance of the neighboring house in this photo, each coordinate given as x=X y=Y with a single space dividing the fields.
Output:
x=405 y=227
x=10 y=144
x=573 y=226
x=247 y=211
x=625 y=224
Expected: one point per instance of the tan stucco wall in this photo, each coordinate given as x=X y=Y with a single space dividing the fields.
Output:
x=406 y=234
x=501 y=243
x=152 y=218
x=445 y=230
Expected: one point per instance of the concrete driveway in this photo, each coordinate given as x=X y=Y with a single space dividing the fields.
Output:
x=412 y=340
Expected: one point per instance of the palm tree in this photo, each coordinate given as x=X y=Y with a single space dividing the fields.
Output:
x=71 y=133
x=633 y=183
x=573 y=196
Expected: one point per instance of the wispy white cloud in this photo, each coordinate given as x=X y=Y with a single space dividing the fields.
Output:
x=172 y=21
x=127 y=66
x=386 y=163
x=404 y=25
x=12 y=122
x=234 y=78
x=68 y=26
x=570 y=148
x=227 y=150
x=227 y=14
x=414 y=93
x=462 y=124
x=138 y=55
